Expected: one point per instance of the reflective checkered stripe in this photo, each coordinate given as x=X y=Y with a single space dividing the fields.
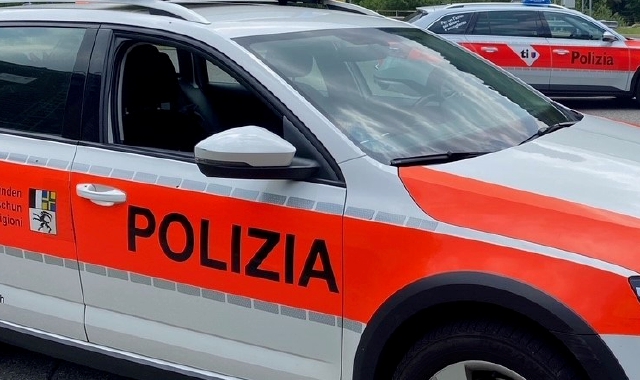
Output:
x=206 y=294
x=561 y=62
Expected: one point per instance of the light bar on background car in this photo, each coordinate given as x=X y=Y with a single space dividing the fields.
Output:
x=536 y=2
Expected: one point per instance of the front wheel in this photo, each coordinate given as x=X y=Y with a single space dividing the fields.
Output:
x=485 y=350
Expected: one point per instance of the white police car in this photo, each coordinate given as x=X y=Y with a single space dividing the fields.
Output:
x=247 y=190
x=558 y=51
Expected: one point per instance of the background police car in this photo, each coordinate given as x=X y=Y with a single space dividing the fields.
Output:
x=557 y=50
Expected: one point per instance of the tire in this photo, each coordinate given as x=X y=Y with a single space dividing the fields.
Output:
x=488 y=349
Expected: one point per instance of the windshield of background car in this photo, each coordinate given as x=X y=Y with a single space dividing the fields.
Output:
x=403 y=92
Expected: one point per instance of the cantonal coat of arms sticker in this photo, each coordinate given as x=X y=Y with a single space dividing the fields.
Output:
x=42 y=211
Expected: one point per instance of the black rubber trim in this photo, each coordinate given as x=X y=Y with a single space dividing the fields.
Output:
x=577 y=90
x=93 y=111
x=300 y=169
x=75 y=96
x=634 y=81
x=579 y=338
x=112 y=362
x=38 y=136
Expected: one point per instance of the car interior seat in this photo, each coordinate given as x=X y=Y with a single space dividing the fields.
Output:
x=193 y=94
x=152 y=115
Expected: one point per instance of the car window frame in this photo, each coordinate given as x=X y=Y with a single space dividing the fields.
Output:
x=72 y=126
x=97 y=125
x=542 y=27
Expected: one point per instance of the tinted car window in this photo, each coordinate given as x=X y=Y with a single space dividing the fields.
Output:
x=451 y=24
x=404 y=92
x=571 y=26
x=509 y=23
x=35 y=72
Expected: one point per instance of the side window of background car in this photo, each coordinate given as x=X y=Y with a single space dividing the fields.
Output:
x=574 y=27
x=36 y=65
x=159 y=108
x=451 y=24
x=509 y=23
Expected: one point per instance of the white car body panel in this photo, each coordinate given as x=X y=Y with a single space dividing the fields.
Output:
x=608 y=158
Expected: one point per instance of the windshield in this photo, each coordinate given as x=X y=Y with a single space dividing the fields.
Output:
x=403 y=92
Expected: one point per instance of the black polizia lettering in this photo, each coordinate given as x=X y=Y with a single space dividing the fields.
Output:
x=163 y=237
x=271 y=240
x=236 y=235
x=289 y=246
x=133 y=230
x=141 y=224
x=205 y=260
x=318 y=251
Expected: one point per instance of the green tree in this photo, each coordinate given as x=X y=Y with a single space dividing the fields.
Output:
x=627 y=9
x=602 y=11
x=395 y=4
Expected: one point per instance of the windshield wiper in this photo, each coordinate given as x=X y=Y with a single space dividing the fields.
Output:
x=546 y=130
x=438 y=158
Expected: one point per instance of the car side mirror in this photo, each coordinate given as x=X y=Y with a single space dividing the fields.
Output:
x=251 y=152
x=609 y=37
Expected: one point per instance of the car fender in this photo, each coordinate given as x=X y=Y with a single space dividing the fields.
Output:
x=539 y=307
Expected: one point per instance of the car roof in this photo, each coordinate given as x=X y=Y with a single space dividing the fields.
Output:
x=226 y=18
x=493 y=6
x=242 y=20
x=431 y=14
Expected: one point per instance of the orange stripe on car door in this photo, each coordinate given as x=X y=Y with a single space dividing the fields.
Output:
x=102 y=237
x=21 y=178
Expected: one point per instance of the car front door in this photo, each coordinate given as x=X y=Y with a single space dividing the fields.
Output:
x=514 y=40
x=42 y=74
x=578 y=52
x=241 y=277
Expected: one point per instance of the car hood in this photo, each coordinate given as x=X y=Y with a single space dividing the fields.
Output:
x=633 y=43
x=576 y=189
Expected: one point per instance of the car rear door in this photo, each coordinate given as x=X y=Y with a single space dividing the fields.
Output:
x=42 y=75
x=514 y=40
x=578 y=52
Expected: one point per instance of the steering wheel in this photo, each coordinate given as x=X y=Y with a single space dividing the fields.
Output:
x=440 y=90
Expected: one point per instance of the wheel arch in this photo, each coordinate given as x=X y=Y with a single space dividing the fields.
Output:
x=441 y=295
x=634 y=81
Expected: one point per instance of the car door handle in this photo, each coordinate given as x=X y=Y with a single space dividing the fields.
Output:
x=100 y=195
x=489 y=49
x=561 y=51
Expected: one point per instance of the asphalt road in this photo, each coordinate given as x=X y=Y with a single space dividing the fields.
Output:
x=625 y=110
x=16 y=364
